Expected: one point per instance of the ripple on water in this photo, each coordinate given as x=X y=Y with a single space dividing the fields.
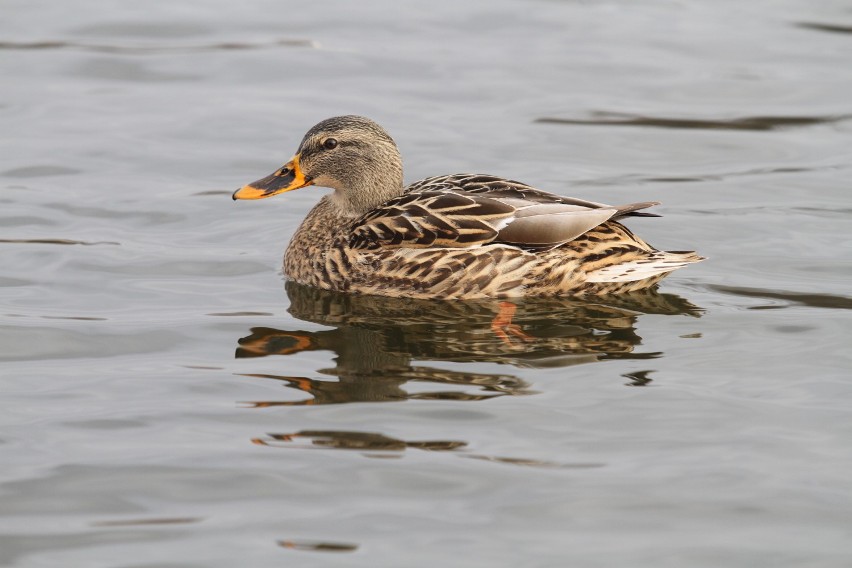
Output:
x=6 y=282
x=56 y=242
x=35 y=343
x=606 y=118
x=174 y=268
x=318 y=546
x=40 y=171
x=812 y=300
x=134 y=71
x=823 y=27
x=154 y=48
x=149 y=217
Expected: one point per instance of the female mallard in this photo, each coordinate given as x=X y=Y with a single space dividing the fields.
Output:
x=455 y=236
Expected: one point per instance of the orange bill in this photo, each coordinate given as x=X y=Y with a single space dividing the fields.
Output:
x=288 y=178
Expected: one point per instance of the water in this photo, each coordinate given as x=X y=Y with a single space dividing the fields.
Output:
x=168 y=402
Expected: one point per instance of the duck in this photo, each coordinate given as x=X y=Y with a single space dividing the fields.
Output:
x=451 y=237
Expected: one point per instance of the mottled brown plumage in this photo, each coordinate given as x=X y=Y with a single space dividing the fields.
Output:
x=455 y=236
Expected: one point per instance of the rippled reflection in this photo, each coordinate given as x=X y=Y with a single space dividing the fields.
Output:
x=743 y=123
x=318 y=546
x=374 y=445
x=376 y=340
x=349 y=440
x=149 y=49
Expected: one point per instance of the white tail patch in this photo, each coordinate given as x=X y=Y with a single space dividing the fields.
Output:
x=657 y=262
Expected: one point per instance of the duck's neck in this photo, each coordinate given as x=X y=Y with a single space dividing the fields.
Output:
x=367 y=198
x=377 y=180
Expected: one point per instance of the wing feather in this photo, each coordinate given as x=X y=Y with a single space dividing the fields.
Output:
x=467 y=210
x=553 y=228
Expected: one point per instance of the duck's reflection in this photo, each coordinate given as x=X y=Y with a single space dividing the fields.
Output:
x=375 y=445
x=376 y=340
x=347 y=440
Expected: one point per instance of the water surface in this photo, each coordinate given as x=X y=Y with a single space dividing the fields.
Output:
x=168 y=401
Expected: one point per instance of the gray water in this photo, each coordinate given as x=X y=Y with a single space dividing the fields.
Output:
x=168 y=402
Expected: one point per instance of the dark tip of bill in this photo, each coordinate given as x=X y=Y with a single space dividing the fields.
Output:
x=234 y=195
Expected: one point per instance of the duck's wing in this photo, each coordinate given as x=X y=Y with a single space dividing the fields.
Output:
x=465 y=211
x=511 y=191
x=430 y=218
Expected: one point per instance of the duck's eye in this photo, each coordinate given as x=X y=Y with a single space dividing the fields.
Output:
x=329 y=144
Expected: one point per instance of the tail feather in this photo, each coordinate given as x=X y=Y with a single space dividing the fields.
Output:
x=655 y=263
x=633 y=210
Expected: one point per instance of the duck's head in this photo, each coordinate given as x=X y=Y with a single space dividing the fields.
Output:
x=350 y=154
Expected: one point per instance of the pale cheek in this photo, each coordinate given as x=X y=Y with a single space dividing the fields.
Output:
x=326 y=180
